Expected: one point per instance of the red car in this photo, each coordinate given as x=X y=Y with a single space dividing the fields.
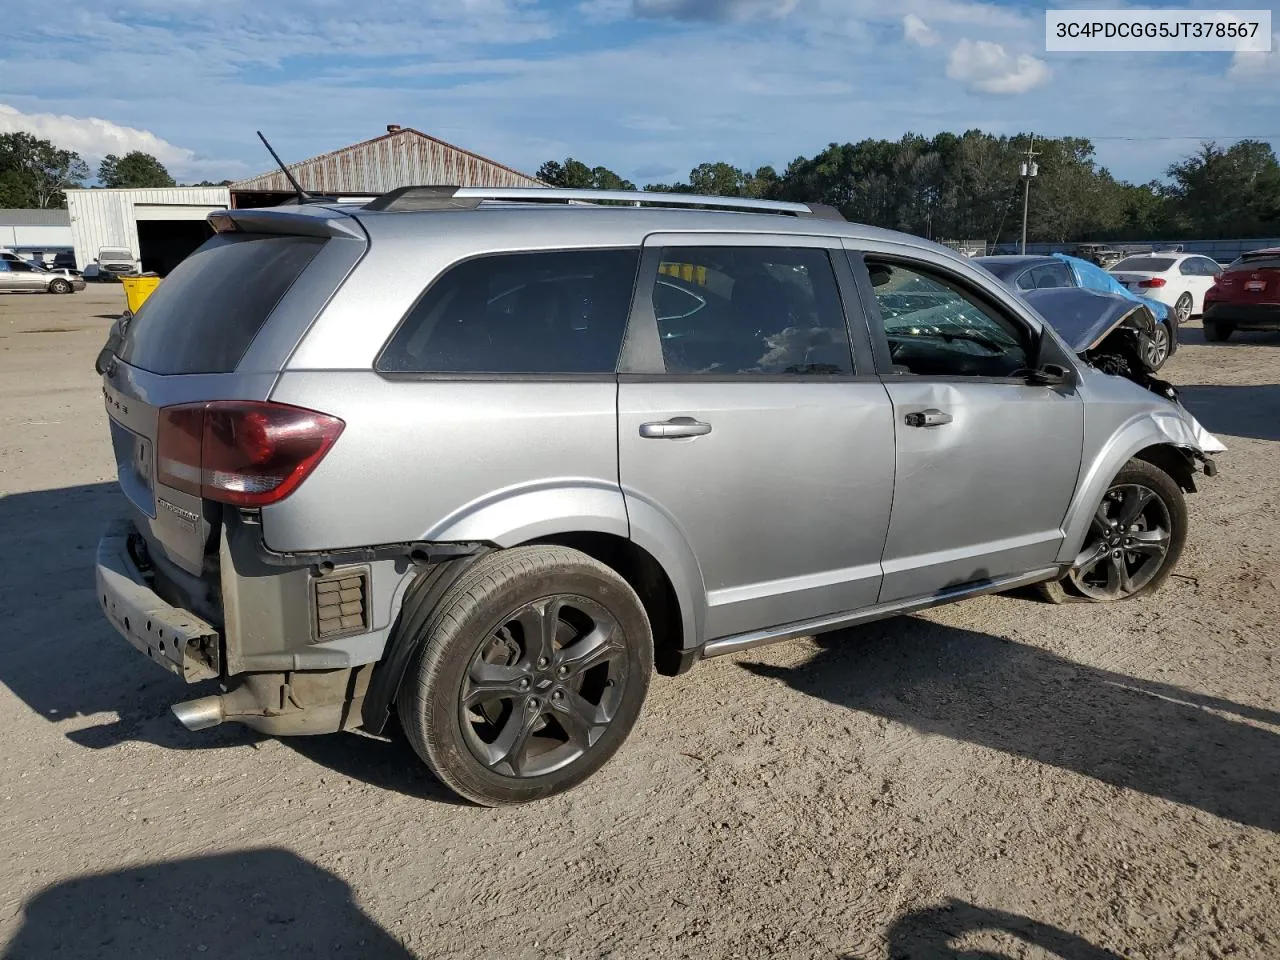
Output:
x=1246 y=296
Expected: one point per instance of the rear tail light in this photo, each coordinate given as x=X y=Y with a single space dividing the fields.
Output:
x=243 y=453
x=1152 y=282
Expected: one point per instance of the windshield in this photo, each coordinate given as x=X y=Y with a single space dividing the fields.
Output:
x=1143 y=264
x=107 y=253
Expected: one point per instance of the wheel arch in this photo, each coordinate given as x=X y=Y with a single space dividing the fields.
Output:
x=1163 y=439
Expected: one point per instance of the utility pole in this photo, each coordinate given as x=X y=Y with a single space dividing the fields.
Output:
x=1028 y=170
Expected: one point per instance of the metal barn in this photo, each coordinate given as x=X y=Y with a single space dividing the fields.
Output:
x=401 y=157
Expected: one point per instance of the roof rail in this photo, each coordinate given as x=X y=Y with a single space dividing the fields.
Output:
x=468 y=198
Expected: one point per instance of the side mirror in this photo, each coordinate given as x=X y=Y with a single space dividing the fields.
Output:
x=1049 y=375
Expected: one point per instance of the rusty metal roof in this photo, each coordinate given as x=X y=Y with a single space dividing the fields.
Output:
x=402 y=157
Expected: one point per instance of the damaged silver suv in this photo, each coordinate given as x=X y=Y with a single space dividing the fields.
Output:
x=485 y=460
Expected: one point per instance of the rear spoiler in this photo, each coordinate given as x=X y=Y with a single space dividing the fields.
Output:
x=316 y=222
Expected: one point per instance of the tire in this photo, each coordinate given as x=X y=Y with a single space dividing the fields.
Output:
x=1166 y=511
x=474 y=630
x=1182 y=308
x=1162 y=345
x=1217 y=332
x=59 y=286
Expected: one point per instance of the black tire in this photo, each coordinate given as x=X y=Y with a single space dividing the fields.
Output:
x=59 y=286
x=478 y=614
x=1217 y=332
x=1172 y=506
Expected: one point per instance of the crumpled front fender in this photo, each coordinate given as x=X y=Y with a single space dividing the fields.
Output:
x=1172 y=426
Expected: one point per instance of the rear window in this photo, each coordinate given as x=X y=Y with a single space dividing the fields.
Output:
x=554 y=312
x=1143 y=264
x=1269 y=262
x=204 y=315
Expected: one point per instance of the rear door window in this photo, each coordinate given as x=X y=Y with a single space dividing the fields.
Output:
x=539 y=313
x=729 y=311
x=205 y=314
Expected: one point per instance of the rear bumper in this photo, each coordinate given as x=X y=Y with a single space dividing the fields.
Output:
x=1245 y=316
x=175 y=639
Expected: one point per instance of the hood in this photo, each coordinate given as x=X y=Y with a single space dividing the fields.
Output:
x=1084 y=317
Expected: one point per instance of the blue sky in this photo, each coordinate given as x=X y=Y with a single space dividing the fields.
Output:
x=647 y=87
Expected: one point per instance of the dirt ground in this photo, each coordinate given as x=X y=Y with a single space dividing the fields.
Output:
x=998 y=778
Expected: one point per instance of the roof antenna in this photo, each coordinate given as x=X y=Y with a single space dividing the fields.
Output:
x=303 y=196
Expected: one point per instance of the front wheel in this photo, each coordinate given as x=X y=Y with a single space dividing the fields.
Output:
x=1161 y=346
x=530 y=674
x=1135 y=539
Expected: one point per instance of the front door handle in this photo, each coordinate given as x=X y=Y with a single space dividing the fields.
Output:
x=927 y=418
x=674 y=429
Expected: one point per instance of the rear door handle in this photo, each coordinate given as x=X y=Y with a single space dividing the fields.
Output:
x=674 y=429
x=927 y=418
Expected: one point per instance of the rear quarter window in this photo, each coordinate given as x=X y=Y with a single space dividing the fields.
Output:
x=538 y=313
x=205 y=314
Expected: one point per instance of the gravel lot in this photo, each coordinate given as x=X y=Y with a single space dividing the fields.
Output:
x=998 y=778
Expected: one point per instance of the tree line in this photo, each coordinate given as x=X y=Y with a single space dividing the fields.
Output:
x=968 y=187
x=37 y=173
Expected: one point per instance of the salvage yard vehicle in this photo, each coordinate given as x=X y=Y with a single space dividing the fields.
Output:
x=485 y=460
x=1176 y=279
x=19 y=275
x=1026 y=273
x=1245 y=296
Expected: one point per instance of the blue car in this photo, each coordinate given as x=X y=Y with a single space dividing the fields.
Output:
x=1024 y=273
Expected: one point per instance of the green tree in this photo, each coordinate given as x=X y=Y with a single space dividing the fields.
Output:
x=577 y=175
x=1226 y=193
x=135 y=169
x=36 y=173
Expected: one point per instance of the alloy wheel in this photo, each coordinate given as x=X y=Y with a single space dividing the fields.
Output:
x=1128 y=543
x=543 y=686
x=1158 y=351
x=1182 y=308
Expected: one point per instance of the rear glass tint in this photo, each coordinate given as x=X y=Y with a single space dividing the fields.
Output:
x=203 y=316
x=1143 y=264
x=555 y=312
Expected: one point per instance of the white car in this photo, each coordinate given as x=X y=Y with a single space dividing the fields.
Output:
x=1178 y=280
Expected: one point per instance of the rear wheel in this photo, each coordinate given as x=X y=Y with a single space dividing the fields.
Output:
x=1182 y=308
x=1134 y=540
x=59 y=286
x=1217 y=332
x=531 y=672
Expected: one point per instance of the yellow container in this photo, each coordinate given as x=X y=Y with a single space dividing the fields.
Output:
x=137 y=289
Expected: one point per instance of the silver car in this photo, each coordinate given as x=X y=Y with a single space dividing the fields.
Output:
x=488 y=459
x=19 y=275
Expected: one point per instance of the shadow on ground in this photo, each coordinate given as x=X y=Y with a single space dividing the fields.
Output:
x=930 y=934
x=252 y=904
x=1150 y=737
x=1235 y=411
x=64 y=660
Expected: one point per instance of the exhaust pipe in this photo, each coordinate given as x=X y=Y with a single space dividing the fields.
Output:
x=200 y=714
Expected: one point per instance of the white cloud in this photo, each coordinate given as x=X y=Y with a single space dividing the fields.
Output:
x=989 y=68
x=93 y=138
x=915 y=30
x=1254 y=65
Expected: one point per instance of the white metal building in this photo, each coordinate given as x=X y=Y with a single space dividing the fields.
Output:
x=45 y=230
x=161 y=226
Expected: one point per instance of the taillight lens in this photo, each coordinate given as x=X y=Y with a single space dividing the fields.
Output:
x=243 y=453
x=1152 y=282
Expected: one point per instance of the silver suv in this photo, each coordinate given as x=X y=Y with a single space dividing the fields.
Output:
x=484 y=460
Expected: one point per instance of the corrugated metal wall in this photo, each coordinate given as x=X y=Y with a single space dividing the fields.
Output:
x=401 y=159
x=105 y=218
x=29 y=236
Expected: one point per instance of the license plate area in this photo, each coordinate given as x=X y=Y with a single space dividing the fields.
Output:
x=135 y=466
x=1255 y=286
